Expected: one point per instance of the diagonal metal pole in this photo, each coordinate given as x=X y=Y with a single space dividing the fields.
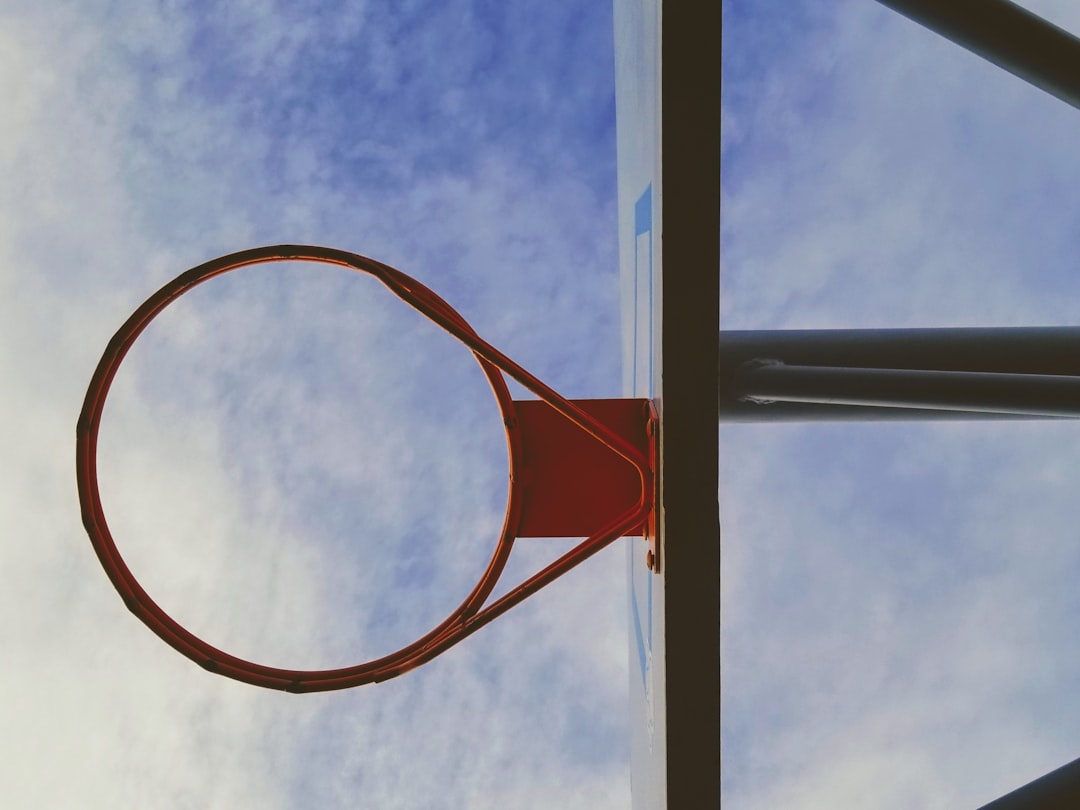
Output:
x=1057 y=790
x=1008 y=35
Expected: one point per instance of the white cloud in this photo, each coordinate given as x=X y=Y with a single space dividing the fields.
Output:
x=125 y=164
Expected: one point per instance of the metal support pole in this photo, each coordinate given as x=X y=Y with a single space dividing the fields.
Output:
x=1057 y=790
x=969 y=392
x=1009 y=36
x=899 y=374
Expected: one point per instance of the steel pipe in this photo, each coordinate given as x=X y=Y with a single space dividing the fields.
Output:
x=1008 y=35
x=967 y=392
x=889 y=374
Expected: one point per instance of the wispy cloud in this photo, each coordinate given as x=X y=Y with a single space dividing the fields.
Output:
x=292 y=464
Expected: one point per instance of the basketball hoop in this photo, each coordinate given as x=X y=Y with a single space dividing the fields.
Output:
x=554 y=446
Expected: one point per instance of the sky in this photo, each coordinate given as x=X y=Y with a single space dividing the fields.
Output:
x=304 y=473
x=899 y=606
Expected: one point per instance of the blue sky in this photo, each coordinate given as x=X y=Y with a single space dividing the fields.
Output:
x=301 y=471
x=898 y=600
x=293 y=464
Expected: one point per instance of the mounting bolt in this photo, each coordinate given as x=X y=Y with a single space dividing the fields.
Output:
x=650 y=559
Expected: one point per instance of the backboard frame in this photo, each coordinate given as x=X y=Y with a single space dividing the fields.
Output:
x=668 y=130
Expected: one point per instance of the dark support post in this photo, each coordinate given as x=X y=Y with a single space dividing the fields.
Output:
x=1011 y=37
x=968 y=392
x=899 y=374
x=1057 y=790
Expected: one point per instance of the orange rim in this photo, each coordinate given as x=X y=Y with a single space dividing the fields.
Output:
x=471 y=614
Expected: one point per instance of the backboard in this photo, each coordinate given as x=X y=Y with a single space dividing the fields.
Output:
x=667 y=57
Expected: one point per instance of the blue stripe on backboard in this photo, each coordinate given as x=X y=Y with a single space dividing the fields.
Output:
x=642 y=657
x=643 y=212
x=650 y=613
x=642 y=225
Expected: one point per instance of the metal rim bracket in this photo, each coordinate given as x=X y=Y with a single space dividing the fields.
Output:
x=622 y=447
